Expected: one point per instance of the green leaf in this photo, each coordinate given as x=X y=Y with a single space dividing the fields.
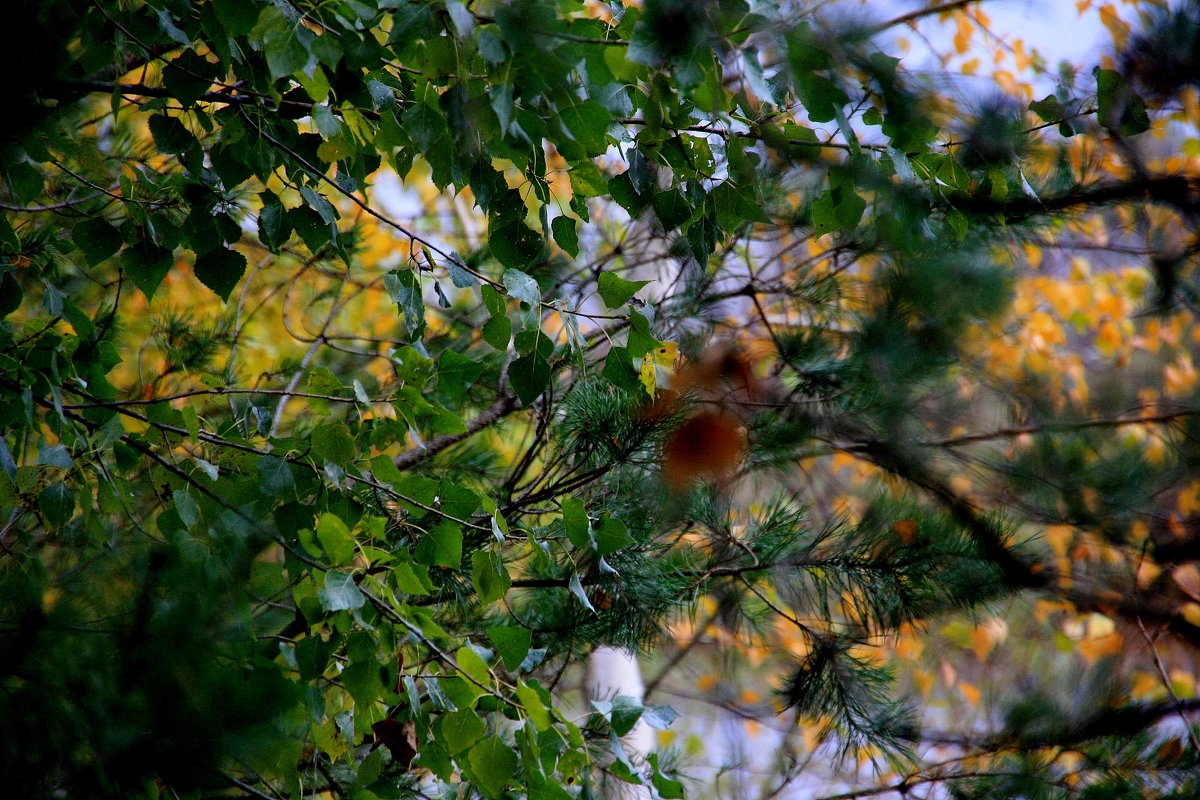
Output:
x=535 y=706
x=220 y=270
x=314 y=231
x=490 y=578
x=11 y=294
x=332 y=442
x=512 y=643
x=492 y=764
x=361 y=679
x=26 y=181
x=340 y=593
x=170 y=135
x=97 y=239
x=286 y=49
x=188 y=76
x=533 y=341
x=147 y=264
x=411 y=578
x=586 y=180
x=621 y=190
x=529 y=375
x=735 y=206
x=497 y=331
x=441 y=546
x=237 y=16
x=274 y=227
x=671 y=208
x=1051 y=110
x=335 y=539
x=954 y=176
x=563 y=228
x=640 y=341
x=522 y=287
x=472 y=665
x=587 y=124
x=575 y=520
x=57 y=504
x=667 y=788
x=1119 y=107
x=459 y=730
x=456 y=373
x=616 y=291
x=626 y=711
x=275 y=476
x=611 y=536
x=515 y=245
x=619 y=371
x=9 y=243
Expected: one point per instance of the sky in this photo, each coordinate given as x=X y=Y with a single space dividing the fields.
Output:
x=1055 y=28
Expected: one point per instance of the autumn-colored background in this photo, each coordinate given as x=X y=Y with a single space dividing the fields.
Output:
x=367 y=366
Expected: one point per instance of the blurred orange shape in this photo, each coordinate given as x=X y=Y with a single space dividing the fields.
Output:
x=708 y=446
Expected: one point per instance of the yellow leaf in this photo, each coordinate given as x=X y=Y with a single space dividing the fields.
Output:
x=1191 y=613
x=1144 y=685
x=1183 y=684
x=962 y=37
x=1117 y=27
x=647 y=376
x=970 y=692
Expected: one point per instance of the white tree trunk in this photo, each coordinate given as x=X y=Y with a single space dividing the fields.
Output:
x=612 y=672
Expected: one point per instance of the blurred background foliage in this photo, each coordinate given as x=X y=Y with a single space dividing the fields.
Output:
x=365 y=367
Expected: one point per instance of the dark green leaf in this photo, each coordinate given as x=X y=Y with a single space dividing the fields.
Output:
x=497 y=331
x=457 y=372
x=147 y=264
x=611 y=536
x=275 y=476
x=274 y=227
x=1118 y=106
x=671 y=209
x=490 y=578
x=170 y=135
x=515 y=245
x=619 y=371
x=587 y=124
x=57 y=504
x=220 y=270
x=188 y=76
x=575 y=520
x=26 y=181
x=529 y=375
x=97 y=239
x=11 y=294
x=565 y=235
x=441 y=546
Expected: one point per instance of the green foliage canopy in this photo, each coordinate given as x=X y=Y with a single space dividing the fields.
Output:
x=215 y=582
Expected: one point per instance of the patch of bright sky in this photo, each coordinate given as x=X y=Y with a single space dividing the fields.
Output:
x=1058 y=30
